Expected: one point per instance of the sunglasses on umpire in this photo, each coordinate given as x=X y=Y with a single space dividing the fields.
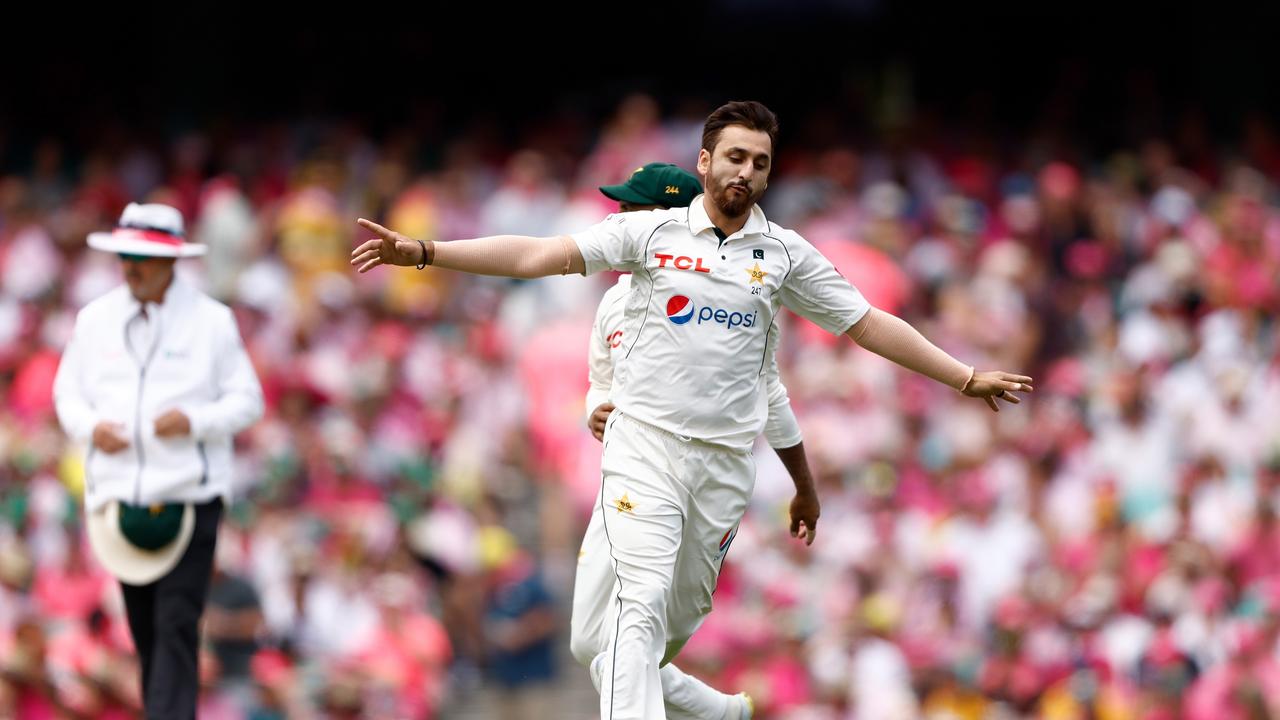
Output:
x=127 y=257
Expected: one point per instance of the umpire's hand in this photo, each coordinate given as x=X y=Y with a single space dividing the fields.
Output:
x=109 y=437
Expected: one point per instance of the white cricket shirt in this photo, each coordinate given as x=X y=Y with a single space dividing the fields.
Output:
x=781 y=430
x=697 y=361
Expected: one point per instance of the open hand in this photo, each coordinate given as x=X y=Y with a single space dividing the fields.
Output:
x=997 y=384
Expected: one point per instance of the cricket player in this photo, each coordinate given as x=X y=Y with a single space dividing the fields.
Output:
x=677 y=470
x=655 y=186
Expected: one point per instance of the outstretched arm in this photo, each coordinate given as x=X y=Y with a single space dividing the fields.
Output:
x=516 y=256
x=893 y=338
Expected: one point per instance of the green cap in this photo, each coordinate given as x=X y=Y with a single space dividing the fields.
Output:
x=150 y=527
x=656 y=184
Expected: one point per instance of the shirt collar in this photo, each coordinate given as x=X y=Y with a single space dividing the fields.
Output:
x=700 y=222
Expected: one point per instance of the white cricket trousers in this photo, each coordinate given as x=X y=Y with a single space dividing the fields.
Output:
x=666 y=515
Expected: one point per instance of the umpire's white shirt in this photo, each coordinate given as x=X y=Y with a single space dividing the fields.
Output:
x=607 y=336
x=702 y=309
x=186 y=355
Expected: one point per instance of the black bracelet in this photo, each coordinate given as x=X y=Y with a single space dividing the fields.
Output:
x=424 y=255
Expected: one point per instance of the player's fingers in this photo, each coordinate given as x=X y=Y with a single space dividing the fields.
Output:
x=365 y=257
x=810 y=533
x=1015 y=378
x=366 y=246
x=806 y=532
x=371 y=265
x=1009 y=398
x=991 y=402
x=374 y=227
x=795 y=526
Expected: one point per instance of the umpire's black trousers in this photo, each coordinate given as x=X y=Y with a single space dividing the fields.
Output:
x=164 y=618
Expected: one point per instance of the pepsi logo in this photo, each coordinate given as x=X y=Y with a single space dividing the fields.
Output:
x=679 y=309
x=727 y=540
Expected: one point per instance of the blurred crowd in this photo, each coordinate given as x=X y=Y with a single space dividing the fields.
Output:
x=408 y=514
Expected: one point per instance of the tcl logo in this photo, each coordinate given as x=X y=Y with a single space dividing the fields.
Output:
x=681 y=262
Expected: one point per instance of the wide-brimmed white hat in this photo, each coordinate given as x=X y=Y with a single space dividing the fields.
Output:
x=127 y=561
x=152 y=230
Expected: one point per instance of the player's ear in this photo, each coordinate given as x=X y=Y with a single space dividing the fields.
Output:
x=704 y=162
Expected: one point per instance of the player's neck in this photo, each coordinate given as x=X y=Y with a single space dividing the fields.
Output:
x=727 y=225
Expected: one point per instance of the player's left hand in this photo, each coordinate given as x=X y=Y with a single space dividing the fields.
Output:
x=804 y=516
x=173 y=424
x=997 y=384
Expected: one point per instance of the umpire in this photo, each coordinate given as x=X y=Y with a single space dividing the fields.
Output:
x=155 y=382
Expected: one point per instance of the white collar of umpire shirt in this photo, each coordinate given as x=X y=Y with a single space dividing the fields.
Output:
x=700 y=222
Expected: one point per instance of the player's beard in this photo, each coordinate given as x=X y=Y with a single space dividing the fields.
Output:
x=733 y=204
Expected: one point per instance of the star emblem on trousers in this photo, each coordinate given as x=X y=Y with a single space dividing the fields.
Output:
x=624 y=504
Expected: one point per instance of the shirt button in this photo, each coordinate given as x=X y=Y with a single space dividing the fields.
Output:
x=723 y=257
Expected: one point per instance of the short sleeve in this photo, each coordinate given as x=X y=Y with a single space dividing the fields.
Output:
x=616 y=243
x=816 y=291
